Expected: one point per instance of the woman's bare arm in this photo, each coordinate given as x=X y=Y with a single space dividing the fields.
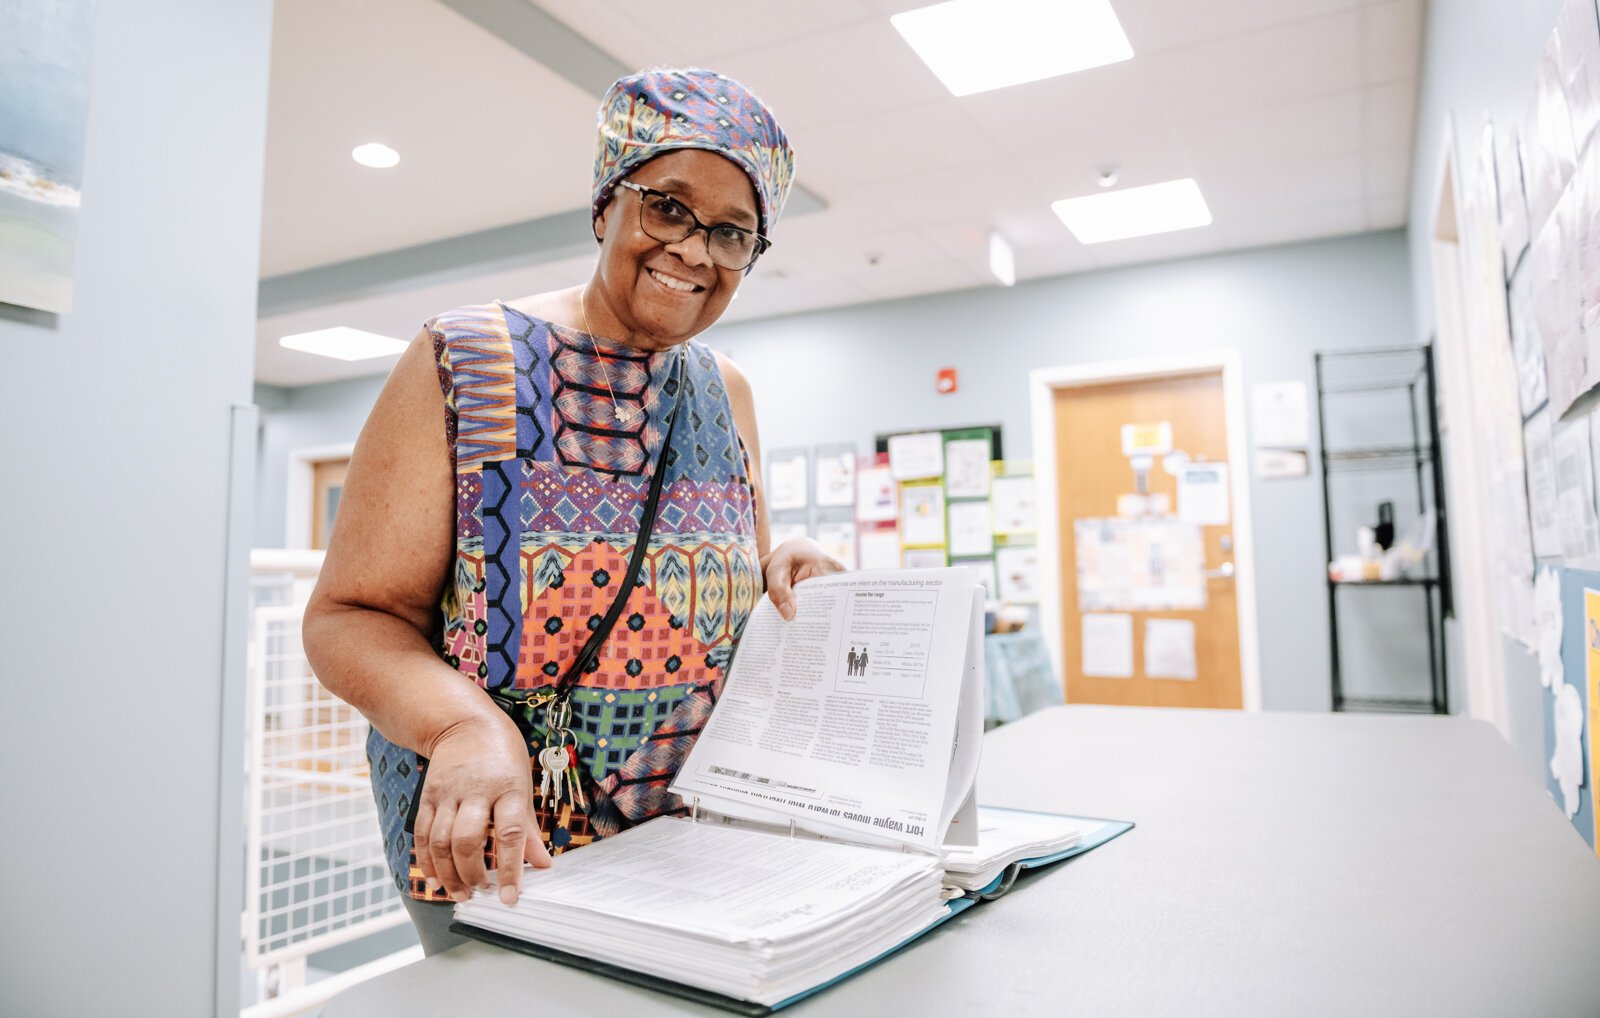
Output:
x=369 y=633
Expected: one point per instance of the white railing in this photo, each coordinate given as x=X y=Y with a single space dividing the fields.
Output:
x=315 y=874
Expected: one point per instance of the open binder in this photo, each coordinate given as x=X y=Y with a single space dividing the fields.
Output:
x=833 y=818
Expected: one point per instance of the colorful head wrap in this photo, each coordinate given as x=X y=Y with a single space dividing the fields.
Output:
x=647 y=114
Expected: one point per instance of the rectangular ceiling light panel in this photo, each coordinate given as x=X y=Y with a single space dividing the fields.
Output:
x=1135 y=211
x=978 y=45
x=344 y=343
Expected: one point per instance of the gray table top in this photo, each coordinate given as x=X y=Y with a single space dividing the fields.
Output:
x=1283 y=864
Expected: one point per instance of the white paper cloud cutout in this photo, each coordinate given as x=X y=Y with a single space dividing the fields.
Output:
x=1547 y=619
x=1566 y=763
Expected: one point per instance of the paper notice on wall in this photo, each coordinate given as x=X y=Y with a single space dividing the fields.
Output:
x=921 y=514
x=1579 y=50
x=982 y=570
x=1527 y=349
x=1548 y=625
x=879 y=549
x=877 y=495
x=916 y=455
x=1282 y=415
x=1139 y=565
x=1544 y=521
x=1558 y=305
x=836 y=478
x=1152 y=439
x=1513 y=199
x=1203 y=494
x=1013 y=502
x=1548 y=148
x=971 y=532
x=1169 y=649
x=1575 y=505
x=838 y=539
x=923 y=558
x=966 y=468
x=1107 y=645
x=1017 y=572
x=786 y=480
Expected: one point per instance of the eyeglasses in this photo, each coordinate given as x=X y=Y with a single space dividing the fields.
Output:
x=665 y=218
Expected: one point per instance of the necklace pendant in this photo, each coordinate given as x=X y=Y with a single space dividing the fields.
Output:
x=620 y=414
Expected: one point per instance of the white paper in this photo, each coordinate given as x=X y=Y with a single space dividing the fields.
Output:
x=1527 y=348
x=1017 y=570
x=1548 y=624
x=1138 y=565
x=1013 y=501
x=877 y=499
x=880 y=549
x=1283 y=416
x=1203 y=494
x=1277 y=464
x=971 y=533
x=836 y=478
x=1558 y=310
x=1513 y=199
x=966 y=468
x=1566 y=761
x=786 y=481
x=1548 y=149
x=838 y=539
x=1169 y=649
x=1575 y=506
x=1107 y=645
x=921 y=514
x=845 y=715
x=923 y=558
x=1544 y=521
x=1154 y=439
x=917 y=455
x=1579 y=51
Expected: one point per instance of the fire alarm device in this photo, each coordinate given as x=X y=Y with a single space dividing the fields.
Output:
x=946 y=382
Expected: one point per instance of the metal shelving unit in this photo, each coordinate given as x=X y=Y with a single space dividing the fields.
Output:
x=1406 y=372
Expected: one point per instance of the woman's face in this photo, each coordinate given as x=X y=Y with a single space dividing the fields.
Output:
x=663 y=294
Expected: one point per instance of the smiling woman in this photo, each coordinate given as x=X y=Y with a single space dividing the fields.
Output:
x=552 y=533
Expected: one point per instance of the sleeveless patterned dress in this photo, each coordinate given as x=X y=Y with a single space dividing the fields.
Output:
x=549 y=493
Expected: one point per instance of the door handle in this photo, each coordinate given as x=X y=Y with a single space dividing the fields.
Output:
x=1222 y=572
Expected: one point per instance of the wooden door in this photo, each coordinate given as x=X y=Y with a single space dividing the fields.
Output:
x=1092 y=471
x=327 y=485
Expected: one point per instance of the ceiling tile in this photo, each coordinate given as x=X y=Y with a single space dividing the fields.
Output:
x=1260 y=69
x=1155 y=25
x=872 y=148
x=1046 y=116
x=1329 y=220
x=1391 y=40
x=995 y=186
x=1387 y=170
x=1390 y=112
x=1158 y=247
x=1277 y=187
x=1325 y=125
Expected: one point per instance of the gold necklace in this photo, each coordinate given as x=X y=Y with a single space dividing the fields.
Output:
x=622 y=416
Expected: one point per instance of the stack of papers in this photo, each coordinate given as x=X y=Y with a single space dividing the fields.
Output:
x=1007 y=836
x=736 y=912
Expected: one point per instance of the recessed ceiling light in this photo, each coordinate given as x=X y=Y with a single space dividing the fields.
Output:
x=344 y=343
x=978 y=45
x=1134 y=211
x=375 y=154
x=1002 y=260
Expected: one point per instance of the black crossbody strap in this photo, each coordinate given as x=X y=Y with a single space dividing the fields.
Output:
x=641 y=547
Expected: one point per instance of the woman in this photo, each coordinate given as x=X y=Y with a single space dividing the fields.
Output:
x=475 y=605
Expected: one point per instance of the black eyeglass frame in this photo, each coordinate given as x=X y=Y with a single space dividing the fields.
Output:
x=762 y=246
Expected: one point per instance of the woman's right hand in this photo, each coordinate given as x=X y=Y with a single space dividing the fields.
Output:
x=478 y=773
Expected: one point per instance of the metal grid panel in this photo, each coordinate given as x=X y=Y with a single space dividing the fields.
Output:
x=315 y=870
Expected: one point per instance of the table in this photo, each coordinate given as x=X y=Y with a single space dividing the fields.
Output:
x=1283 y=864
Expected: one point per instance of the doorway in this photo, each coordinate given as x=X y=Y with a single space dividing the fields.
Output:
x=1148 y=573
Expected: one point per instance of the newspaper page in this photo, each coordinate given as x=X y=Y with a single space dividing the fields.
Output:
x=846 y=717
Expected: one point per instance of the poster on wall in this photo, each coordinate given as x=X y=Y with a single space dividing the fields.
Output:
x=1017 y=572
x=1547 y=150
x=916 y=456
x=1544 y=522
x=1557 y=307
x=1575 y=506
x=1527 y=349
x=1139 y=564
x=45 y=54
x=877 y=495
x=971 y=529
x=1013 y=501
x=786 y=479
x=1513 y=198
x=1578 y=48
x=836 y=476
x=966 y=468
x=922 y=514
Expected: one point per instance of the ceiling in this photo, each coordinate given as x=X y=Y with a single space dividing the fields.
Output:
x=1294 y=116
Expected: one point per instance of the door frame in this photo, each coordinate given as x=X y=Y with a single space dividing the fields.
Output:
x=1043 y=384
x=298 y=487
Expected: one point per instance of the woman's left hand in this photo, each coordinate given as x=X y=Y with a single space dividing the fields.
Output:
x=790 y=562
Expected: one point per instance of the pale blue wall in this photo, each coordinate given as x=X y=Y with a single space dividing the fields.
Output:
x=847 y=374
x=113 y=531
x=1480 y=57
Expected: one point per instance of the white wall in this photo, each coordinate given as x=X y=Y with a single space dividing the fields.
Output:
x=847 y=374
x=116 y=451
x=1480 y=57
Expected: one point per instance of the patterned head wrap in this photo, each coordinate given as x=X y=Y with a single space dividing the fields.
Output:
x=653 y=112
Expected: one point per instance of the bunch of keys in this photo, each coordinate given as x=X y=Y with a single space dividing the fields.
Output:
x=558 y=761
